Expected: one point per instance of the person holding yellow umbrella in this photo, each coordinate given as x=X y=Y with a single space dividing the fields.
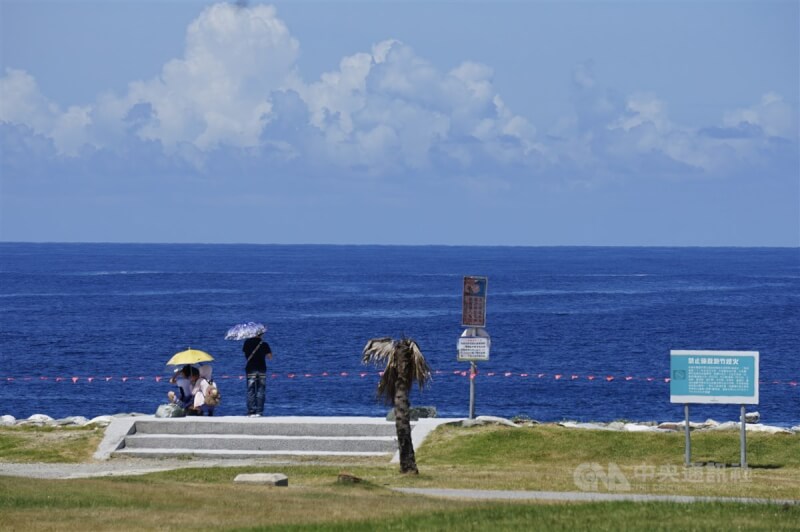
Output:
x=182 y=377
x=189 y=356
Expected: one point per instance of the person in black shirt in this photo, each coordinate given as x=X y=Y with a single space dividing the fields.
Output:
x=257 y=351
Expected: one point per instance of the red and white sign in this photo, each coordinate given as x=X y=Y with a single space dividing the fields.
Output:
x=473 y=305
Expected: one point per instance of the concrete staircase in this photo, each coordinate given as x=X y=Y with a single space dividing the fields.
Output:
x=242 y=437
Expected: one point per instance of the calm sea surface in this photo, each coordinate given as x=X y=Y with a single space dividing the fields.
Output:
x=577 y=333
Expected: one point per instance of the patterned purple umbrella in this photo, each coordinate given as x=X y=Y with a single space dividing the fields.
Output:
x=243 y=331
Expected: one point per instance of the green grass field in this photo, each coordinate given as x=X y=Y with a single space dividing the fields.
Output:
x=530 y=458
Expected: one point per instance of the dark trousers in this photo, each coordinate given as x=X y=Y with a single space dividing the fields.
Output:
x=256 y=391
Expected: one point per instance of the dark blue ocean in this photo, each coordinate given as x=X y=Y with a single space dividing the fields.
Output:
x=577 y=333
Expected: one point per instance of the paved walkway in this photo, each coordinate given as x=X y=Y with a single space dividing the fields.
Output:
x=578 y=496
x=123 y=467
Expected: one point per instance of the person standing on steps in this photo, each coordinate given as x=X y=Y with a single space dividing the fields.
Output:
x=257 y=351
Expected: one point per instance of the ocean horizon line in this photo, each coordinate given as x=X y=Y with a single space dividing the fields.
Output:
x=374 y=245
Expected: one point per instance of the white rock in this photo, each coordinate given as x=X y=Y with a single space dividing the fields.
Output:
x=7 y=420
x=752 y=417
x=77 y=421
x=39 y=418
x=635 y=427
x=796 y=429
x=496 y=420
x=681 y=425
x=616 y=425
x=271 y=479
x=758 y=427
x=587 y=426
x=728 y=425
x=752 y=427
x=100 y=421
x=486 y=420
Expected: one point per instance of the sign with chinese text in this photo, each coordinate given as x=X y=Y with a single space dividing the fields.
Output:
x=720 y=377
x=473 y=348
x=473 y=303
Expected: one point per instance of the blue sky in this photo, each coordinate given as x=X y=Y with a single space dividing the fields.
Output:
x=492 y=123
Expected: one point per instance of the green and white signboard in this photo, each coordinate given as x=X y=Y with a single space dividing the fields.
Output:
x=714 y=377
x=717 y=377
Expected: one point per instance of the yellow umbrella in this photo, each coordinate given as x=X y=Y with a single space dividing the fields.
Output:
x=190 y=356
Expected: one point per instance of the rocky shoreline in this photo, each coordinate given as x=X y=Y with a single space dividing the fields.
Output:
x=43 y=420
x=752 y=423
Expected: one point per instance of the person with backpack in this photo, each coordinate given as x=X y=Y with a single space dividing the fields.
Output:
x=256 y=351
x=205 y=393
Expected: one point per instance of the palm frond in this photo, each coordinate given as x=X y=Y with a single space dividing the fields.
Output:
x=389 y=352
x=377 y=350
x=421 y=371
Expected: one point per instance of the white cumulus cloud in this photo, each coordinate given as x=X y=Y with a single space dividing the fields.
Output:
x=235 y=94
x=218 y=93
x=772 y=114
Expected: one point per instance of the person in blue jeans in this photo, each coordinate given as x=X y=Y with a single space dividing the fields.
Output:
x=257 y=351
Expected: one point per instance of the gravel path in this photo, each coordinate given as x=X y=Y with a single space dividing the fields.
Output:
x=124 y=467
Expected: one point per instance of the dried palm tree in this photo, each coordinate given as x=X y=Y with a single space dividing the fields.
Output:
x=404 y=364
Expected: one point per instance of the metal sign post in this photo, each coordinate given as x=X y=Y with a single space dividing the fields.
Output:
x=688 y=453
x=473 y=370
x=743 y=443
x=474 y=342
x=473 y=346
x=715 y=377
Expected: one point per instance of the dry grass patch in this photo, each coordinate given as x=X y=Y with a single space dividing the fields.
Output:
x=546 y=458
x=49 y=444
x=114 y=504
x=535 y=458
x=118 y=504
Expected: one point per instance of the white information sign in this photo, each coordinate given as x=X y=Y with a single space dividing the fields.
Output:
x=473 y=348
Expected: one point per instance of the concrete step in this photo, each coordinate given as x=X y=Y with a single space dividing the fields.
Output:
x=231 y=454
x=244 y=437
x=264 y=427
x=247 y=442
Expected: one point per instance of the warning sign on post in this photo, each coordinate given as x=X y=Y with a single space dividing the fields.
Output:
x=722 y=377
x=473 y=348
x=473 y=307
